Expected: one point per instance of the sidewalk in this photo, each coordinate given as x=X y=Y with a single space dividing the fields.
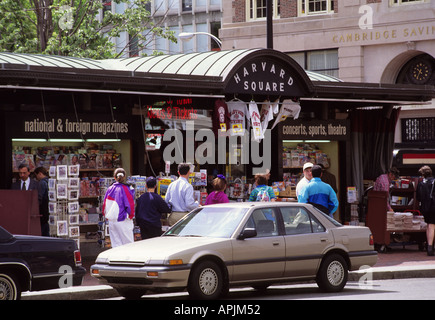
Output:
x=398 y=263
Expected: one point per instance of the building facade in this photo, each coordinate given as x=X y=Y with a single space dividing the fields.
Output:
x=178 y=16
x=365 y=41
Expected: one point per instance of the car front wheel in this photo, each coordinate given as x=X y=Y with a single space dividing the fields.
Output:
x=206 y=281
x=9 y=288
x=333 y=273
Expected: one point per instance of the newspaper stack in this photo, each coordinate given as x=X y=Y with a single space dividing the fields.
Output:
x=398 y=220
x=390 y=220
x=418 y=223
x=407 y=220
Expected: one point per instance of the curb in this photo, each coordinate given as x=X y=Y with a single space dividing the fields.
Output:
x=73 y=293
x=388 y=273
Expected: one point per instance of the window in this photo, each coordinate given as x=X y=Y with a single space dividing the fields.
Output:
x=257 y=9
x=214 y=30
x=321 y=61
x=400 y=2
x=187 y=5
x=264 y=221
x=159 y=6
x=133 y=46
x=298 y=220
x=107 y=6
x=310 y=7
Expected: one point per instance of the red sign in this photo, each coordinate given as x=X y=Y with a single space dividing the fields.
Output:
x=175 y=109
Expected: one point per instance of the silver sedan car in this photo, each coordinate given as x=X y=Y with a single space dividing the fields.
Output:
x=237 y=244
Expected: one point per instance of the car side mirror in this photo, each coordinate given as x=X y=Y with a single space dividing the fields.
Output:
x=247 y=233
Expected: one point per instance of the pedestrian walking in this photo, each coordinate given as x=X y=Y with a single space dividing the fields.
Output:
x=307 y=176
x=118 y=208
x=319 y=194
x=149 y=210
x=218 y=195
x=426 y=198
x=262 y=192
x=179 y=195
x=42 y=177
x=25 y=183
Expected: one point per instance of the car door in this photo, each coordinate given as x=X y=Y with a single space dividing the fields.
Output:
x=305 y=239
x=263 y=256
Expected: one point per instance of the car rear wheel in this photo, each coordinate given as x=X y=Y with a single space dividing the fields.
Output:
x=206 y=281
x=9 y=288
x=333 y=273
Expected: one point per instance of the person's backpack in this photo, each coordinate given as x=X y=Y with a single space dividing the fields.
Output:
x=263 y=195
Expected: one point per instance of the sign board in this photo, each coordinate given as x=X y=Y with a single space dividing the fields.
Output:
x=266 y=77
x=68 y=126
x=335 y=130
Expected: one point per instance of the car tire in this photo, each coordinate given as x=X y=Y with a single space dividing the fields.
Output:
x=9 y=288
x=333 y=273
x=206 y=281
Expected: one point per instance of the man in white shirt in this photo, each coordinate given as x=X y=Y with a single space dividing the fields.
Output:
x=306 y=179
x=179 y=195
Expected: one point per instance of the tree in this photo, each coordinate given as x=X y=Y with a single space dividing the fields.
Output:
x=79 y=28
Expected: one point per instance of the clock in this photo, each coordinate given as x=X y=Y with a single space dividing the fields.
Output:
x=420 y=72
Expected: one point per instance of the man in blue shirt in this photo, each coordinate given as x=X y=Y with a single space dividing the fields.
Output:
x=149 y=209
x=319 y=193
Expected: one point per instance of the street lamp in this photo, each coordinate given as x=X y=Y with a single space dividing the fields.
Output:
x=186 y=36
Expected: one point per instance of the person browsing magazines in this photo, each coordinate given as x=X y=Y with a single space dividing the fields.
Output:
x=179 y=195
x=262 y=192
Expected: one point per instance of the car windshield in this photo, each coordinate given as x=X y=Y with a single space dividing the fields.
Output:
x=208 y=221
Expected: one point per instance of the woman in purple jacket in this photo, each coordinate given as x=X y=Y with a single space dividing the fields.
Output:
x=218 y=195
x=118 y=208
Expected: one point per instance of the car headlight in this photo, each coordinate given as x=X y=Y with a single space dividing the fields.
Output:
x=102 y=260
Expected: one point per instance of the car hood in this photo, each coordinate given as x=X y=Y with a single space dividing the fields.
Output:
x=158 y=250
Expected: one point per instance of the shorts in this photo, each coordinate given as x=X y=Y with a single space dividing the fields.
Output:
x=429 y=218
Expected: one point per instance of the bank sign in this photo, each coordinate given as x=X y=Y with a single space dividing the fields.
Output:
x=267 y=77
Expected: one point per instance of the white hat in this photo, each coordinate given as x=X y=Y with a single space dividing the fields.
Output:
x=308 y=165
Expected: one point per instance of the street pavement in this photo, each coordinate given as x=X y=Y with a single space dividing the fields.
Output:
x=401 y=261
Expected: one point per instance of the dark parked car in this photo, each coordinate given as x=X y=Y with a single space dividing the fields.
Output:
x=32 y=263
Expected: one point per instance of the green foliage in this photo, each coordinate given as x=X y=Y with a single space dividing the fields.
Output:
x=75 y=27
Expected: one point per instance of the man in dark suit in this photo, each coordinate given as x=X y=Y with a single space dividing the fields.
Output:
x=25 y=183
